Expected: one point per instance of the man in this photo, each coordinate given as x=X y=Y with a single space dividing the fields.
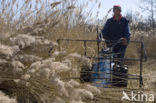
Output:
x=116 y=28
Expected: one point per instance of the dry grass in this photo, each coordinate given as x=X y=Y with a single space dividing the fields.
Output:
x=34 y=30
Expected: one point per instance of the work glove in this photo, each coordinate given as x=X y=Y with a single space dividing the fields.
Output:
x=124 y=41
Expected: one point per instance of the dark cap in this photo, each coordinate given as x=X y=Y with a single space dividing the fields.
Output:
x=117 y=7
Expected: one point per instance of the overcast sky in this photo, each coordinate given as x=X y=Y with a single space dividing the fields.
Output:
x=127 y=6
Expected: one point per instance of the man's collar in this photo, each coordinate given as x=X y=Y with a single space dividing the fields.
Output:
x=118 y=19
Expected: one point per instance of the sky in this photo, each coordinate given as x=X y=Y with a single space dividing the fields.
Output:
x=127 y=6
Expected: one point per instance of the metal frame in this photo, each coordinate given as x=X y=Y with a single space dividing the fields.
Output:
x=143 y=55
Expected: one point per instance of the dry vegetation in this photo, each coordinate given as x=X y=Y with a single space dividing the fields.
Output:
x=29 y=75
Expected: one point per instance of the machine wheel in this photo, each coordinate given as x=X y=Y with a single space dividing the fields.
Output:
x=120 y=76
x=85 y=75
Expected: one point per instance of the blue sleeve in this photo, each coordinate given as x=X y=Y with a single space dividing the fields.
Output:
x=105 y=30
x=127 y=31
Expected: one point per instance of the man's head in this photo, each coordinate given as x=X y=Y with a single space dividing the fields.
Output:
x=116 y=10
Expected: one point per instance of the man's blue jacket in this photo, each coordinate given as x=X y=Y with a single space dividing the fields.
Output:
x=113 y=31
x=116 y=29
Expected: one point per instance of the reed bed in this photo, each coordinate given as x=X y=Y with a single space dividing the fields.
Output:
x=29 y=29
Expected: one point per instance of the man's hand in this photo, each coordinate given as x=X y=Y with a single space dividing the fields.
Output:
x=102 y=39
x=124 y=41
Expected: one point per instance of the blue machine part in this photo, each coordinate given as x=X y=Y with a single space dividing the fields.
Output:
x=102 y=69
